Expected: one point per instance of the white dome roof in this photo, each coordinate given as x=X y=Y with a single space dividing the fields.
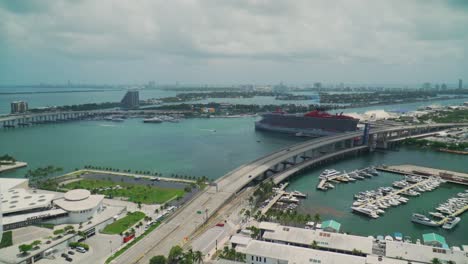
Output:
x=77 y=195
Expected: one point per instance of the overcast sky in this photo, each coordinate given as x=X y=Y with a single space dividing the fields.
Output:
x=238 y=41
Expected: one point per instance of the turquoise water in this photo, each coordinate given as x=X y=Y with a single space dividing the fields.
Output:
x=335 y=204
x=190 y=147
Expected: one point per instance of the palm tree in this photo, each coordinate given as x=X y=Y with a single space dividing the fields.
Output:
x=198 y=256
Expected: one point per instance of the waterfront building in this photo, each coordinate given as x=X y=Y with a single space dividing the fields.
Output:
x=19 y=107
x=131 y=100
x=301 y=237
x=331 y=226
x=435 y=240
x=20 y=207
x=284 y=244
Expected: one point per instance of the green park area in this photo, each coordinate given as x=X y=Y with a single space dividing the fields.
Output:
x=133 y=192
x=124 y=223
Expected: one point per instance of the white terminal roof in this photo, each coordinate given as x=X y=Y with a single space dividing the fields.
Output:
x=78 y=200
x=24 y=217
x=17 y=200
x=301 y=236
x=298 y=255
x=10 y=183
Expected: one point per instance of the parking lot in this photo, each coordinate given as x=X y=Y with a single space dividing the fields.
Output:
x=100 y=247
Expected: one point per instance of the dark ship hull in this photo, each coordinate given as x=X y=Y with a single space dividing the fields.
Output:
x=315 y=123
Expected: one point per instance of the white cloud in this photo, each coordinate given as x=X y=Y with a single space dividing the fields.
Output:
x=342 y=32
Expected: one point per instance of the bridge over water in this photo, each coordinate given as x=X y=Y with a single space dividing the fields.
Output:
x=278 y=165
x=28 y=119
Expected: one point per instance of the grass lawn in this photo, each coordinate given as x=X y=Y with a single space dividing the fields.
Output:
x=124 y=223
x=134 y=192
x=133 y=242
x=7 y=239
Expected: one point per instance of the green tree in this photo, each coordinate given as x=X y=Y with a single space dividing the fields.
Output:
x=317 y=219
x=24 y=248
x=198 y=257
x=36 y=243
x=158 y=260
x=175 y=254
x=435 y=261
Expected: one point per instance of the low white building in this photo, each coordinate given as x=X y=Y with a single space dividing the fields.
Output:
x=423 y=253
x=272 y=253
x=277 y=233
x=80 y=204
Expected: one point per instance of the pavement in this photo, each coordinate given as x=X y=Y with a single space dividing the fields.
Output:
x=100 y=247
x=25 y=234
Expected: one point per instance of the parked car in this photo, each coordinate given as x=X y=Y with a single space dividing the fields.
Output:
x=81 y=250
x=220 y=224
x=71 y=253
x=64 y=255
x=69 y=259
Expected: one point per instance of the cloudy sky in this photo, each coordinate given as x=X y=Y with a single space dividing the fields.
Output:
x=238 y=41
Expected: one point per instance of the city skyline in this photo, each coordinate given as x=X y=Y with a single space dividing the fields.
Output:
x=242 y=42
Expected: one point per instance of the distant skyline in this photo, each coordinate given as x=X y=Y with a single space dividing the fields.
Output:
x=234 y=42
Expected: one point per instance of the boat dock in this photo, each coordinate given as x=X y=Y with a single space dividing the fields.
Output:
x=395 y=193
x=457 y=213
x=335 y=179
x=275 y=199
x=407 y=169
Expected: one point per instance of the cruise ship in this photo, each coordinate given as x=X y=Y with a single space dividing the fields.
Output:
x=315 y=123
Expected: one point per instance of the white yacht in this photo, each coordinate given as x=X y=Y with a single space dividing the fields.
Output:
x=152 y=120
x=328 y=173
x=451 y=223
x=422 y=219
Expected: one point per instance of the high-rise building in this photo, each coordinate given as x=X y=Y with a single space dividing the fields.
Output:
x=19 y=107
x=443 y=87
x=460 y=84
x=131 y=100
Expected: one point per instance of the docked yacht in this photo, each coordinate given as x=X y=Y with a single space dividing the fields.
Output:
x=422 y=219
x=365 y=211
x=451 y=223
x=328 y=173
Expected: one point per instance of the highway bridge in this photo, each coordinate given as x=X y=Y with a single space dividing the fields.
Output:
x=278 y=165
x=28 y=119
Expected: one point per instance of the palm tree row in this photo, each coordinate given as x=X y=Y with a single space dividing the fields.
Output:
x=178 y=256
x=173 y=175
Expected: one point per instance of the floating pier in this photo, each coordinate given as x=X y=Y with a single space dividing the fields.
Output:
x=408 y=169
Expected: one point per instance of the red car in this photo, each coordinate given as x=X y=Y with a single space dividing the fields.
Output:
x=220 y=224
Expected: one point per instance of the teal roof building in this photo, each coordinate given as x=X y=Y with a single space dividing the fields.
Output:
x=331 y=226
x=435 y=240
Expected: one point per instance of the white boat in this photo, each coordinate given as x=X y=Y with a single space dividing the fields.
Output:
x=366 y=211
x=388 y=238
x=451 y=223
x=328 y=173
x=422 y=219
x=437 y=214
x=298 y=194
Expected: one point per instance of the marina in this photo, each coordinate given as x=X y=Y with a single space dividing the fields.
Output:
x=328 y=177
x=282 y=199
x=407 y=169
x=373 y=203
